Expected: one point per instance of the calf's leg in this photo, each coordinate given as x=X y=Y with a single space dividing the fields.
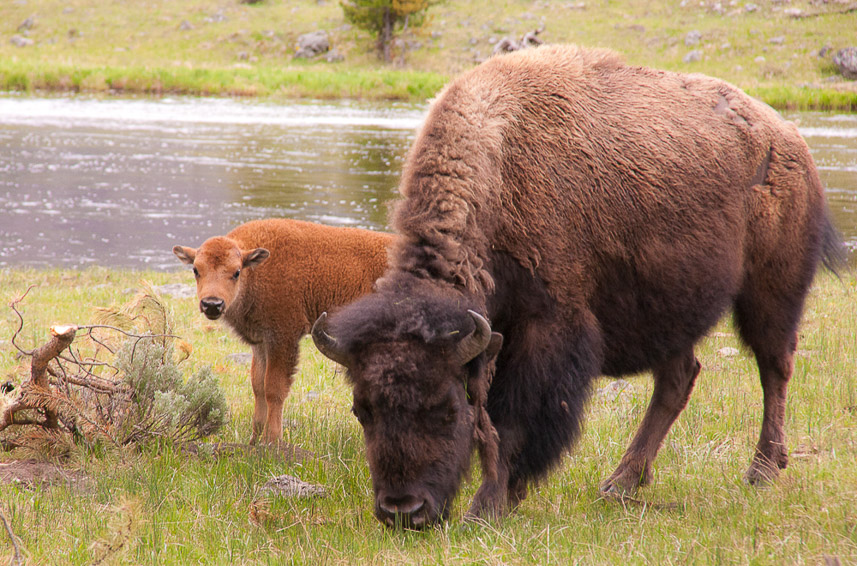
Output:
x=674 y=382
x=279 y=374
x=257 y=379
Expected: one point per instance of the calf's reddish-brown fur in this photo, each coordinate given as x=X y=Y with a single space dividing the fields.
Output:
x=603 y=218
x=269 y=279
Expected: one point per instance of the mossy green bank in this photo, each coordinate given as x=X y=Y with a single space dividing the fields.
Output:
x=770 y=48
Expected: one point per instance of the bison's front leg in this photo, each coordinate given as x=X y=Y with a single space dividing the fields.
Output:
x=496 y=497
x=674 y=382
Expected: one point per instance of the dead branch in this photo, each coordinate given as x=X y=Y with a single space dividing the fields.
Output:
x=16 y=557
x=14 y=306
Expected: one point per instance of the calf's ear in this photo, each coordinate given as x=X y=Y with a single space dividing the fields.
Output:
x=254 y=257
x=187 y=255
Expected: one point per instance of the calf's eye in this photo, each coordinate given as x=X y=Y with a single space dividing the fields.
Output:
x=236 y=274
x=195 y=272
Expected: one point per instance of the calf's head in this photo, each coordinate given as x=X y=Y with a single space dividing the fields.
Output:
x=419 y=394
x=217 y=266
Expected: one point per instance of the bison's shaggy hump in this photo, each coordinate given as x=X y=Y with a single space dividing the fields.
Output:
x=603 y=217
x=606 y=147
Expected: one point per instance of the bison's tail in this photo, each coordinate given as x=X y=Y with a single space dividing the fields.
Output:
x=834 y=255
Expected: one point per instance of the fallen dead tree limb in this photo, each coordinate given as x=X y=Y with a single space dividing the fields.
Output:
x=119 y=383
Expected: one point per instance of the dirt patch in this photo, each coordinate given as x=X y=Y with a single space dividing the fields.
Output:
x=30 y=474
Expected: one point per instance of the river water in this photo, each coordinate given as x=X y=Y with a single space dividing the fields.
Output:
x=118 y=182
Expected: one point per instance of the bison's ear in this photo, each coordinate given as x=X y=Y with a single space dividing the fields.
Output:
x=254 y=257
x=187 y=255
x=479 y=378
x=493 y=347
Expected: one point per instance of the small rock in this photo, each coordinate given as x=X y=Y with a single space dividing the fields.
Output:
x=779 y=40
x=793 y=12
x=241 y=358
x=177 y=290
x=290 y=486
x=21 y=41
x=334 y=56
x=824 y=51
x=692 y=38
x=751 y=7
x=216 y=18
x=693 y=56
x=27 y=24
x=728 y=352
x=760 y=59
x=312 y=44
x=185 y=26
x=846 y=60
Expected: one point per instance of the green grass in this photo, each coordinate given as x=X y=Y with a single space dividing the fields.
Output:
x=129 y=46
x=182 y=509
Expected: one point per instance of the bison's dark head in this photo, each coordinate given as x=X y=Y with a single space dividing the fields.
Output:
x=420 y=372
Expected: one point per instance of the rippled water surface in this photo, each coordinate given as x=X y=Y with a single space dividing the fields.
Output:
x=119 y=182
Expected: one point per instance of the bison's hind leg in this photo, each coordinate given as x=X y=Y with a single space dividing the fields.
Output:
x=771 y=332
x=674 y=382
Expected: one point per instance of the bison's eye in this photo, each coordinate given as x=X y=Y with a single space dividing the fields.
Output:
x=236 y=274
x=196 y=272
x=362 y=413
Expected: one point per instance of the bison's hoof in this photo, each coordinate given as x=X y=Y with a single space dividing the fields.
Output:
x=625 y=481
x=613 y=489
x=761 y=474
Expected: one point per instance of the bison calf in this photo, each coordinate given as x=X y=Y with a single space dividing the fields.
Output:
x=269 y=279
x=564 y=216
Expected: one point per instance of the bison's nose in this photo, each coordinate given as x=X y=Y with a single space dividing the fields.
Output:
x=212 y=307
x=406 y=511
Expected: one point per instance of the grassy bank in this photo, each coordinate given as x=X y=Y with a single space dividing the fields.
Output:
x=166 y=507
x=227 y=48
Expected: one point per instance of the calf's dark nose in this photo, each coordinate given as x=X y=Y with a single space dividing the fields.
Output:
x=212 y=307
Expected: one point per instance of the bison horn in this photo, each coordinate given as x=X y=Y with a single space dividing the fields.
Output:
x=327 y=344
x=474 y=343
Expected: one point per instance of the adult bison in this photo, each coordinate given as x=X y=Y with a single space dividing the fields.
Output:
x=602 y=217
x=269 y=280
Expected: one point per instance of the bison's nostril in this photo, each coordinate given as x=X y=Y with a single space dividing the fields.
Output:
x=404 y=505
